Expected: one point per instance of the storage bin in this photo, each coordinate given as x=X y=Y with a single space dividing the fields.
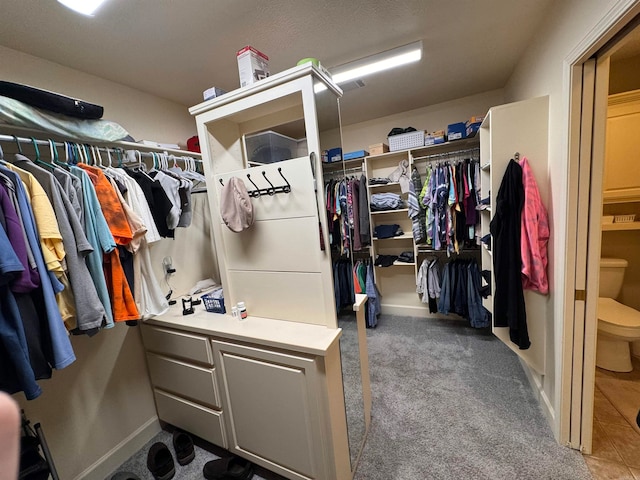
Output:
x=213 y=305
x=270 y=147
x=624 y=218
x=404 y=141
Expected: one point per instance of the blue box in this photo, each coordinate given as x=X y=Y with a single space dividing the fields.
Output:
x=430 y=139
x=472 y=128
x=334 y=155
x=456 y=131
x=356 y=154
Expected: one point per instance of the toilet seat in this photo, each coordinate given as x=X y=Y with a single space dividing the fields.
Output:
x=617 y=319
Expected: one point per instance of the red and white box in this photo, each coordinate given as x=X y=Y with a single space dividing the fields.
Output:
x=253 y=65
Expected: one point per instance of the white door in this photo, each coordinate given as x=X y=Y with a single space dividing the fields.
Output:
x=594 y=96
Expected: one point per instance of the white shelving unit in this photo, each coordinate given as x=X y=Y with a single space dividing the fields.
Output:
x=521 y=127
x=397 y=283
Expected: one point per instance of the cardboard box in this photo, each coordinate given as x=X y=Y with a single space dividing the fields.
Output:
x=476 y=119
x=435 y=138
x=356 y=154
x=456 y=131
x=472 y=128
x=253 y=65
x=333 y=155
x=212 y=92
x=378 y=148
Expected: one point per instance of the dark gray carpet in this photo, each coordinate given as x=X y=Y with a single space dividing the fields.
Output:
x=450 y=402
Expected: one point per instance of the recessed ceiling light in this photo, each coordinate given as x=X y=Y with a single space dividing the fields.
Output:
x=85 y=7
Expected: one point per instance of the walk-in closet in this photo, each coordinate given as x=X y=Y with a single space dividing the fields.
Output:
x=318 y=241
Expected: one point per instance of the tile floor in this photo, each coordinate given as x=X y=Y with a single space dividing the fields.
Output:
x=616 y=436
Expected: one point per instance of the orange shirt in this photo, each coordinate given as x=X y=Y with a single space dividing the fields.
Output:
x=122 y=302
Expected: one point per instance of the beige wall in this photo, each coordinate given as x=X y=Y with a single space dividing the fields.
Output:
x=104 y=399
x=435 y=117
x=541 y=72
x=144 y=116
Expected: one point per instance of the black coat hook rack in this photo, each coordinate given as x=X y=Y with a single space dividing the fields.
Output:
x=271 y=190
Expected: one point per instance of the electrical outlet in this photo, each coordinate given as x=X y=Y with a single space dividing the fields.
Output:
x=167 y=264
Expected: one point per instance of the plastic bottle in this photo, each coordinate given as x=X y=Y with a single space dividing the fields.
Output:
x=234 y=312
x=242 y=311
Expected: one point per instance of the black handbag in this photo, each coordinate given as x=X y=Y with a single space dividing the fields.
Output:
x=53 y=102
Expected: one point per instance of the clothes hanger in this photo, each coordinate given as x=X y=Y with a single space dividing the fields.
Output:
x=37 y=160
x=18 y=144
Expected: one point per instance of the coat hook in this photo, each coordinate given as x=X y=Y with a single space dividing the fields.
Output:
x=256 y=192
x=287 y=187
x=272 y=190
x=221 y=182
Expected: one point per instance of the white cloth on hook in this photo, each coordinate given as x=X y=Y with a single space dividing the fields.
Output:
x=401 y=175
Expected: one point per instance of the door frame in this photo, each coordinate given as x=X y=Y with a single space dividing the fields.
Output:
x=576 y=383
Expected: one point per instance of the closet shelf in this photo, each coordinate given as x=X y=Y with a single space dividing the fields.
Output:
x=486 y=166
x=404 y=236
x=390 y=211
x=380 y=185
x=487 y=250
x=398 y=264
x=620 y=227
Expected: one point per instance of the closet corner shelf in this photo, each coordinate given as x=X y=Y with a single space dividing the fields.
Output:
x=488 y=209
x=486 y=166
x=487 y=250
x=404 y=236
x=380 y=212
x=620 y=227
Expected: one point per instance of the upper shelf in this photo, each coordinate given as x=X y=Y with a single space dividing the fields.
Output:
x=611 y=227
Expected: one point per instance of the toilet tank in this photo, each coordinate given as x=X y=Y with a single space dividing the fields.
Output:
x=611 y=276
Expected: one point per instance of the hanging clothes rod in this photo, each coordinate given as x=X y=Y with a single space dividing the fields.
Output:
x=123 y=147
x=343 y=173
x=447 y=154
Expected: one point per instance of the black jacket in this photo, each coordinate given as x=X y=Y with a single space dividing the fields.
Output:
x=509 y=308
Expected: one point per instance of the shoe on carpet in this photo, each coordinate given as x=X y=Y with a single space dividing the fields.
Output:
x=160 y=462
x=228 y=468
x=183 y=446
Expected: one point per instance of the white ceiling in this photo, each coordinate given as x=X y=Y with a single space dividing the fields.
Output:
x=177 y=49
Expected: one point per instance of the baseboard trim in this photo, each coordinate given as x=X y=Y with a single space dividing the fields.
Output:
x=541 y=396
x=122 y=451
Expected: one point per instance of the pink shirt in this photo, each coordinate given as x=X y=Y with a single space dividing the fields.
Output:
x=535 y=234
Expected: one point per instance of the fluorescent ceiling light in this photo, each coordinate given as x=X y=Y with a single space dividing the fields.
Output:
x=376 y=63
x=85 y=7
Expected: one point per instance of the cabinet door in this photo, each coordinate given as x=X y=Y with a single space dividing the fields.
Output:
x=271 y=400
x=622 y=169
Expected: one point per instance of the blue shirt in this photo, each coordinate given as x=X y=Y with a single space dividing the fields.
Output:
x=61 y=351
x=100 y=238
x=16 y=373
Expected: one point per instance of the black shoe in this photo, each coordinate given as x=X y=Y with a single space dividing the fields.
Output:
x=638 y=418
x=228 y=468
x=160 y=462
x=183 y=446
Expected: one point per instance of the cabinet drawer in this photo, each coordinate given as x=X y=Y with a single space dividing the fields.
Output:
x=191 y=417
x=190 y=381
x=177 y=344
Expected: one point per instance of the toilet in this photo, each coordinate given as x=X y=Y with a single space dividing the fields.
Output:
x=618 y=324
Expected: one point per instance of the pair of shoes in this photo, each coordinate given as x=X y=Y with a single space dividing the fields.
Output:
x=228 y=468
x=160 y=461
